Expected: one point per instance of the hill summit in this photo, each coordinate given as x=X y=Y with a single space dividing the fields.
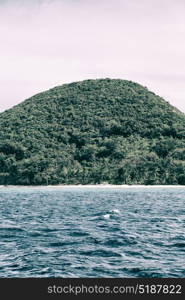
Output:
x=94 y=131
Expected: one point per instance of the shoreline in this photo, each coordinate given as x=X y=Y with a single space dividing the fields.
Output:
x=63 y=186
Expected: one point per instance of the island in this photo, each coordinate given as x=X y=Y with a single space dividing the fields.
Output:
x=92 y=132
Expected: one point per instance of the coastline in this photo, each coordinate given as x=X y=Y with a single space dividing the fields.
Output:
x=63 y=186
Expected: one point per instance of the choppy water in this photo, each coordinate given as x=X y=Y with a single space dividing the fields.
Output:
x=90 y=232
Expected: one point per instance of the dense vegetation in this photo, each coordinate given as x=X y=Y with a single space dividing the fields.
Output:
x=94 y=131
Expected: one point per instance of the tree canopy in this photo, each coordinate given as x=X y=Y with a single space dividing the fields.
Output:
x=93 y=131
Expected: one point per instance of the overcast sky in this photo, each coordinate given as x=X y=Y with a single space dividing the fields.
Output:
x=48 y=43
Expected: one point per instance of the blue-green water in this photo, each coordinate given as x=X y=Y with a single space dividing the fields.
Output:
x=92 y=232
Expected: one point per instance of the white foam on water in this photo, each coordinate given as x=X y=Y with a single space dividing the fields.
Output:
x=107 y=216
x=116 y=211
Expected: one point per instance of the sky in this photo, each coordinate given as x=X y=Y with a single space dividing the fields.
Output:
x=45 y=43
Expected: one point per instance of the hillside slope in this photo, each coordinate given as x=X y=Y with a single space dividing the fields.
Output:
x=94 y=131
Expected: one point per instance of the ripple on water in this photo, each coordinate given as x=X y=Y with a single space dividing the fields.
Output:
x=100 y=253
x=92 y=232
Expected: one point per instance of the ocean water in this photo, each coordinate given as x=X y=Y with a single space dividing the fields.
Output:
x=92 y=232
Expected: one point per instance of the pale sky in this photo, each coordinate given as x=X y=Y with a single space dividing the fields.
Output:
x=47 y=43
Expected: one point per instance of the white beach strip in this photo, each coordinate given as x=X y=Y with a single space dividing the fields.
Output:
x=112 y=186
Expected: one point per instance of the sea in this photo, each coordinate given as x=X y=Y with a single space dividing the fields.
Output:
x=92 y=232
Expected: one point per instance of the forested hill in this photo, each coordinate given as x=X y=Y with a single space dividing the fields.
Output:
x=94 y=131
